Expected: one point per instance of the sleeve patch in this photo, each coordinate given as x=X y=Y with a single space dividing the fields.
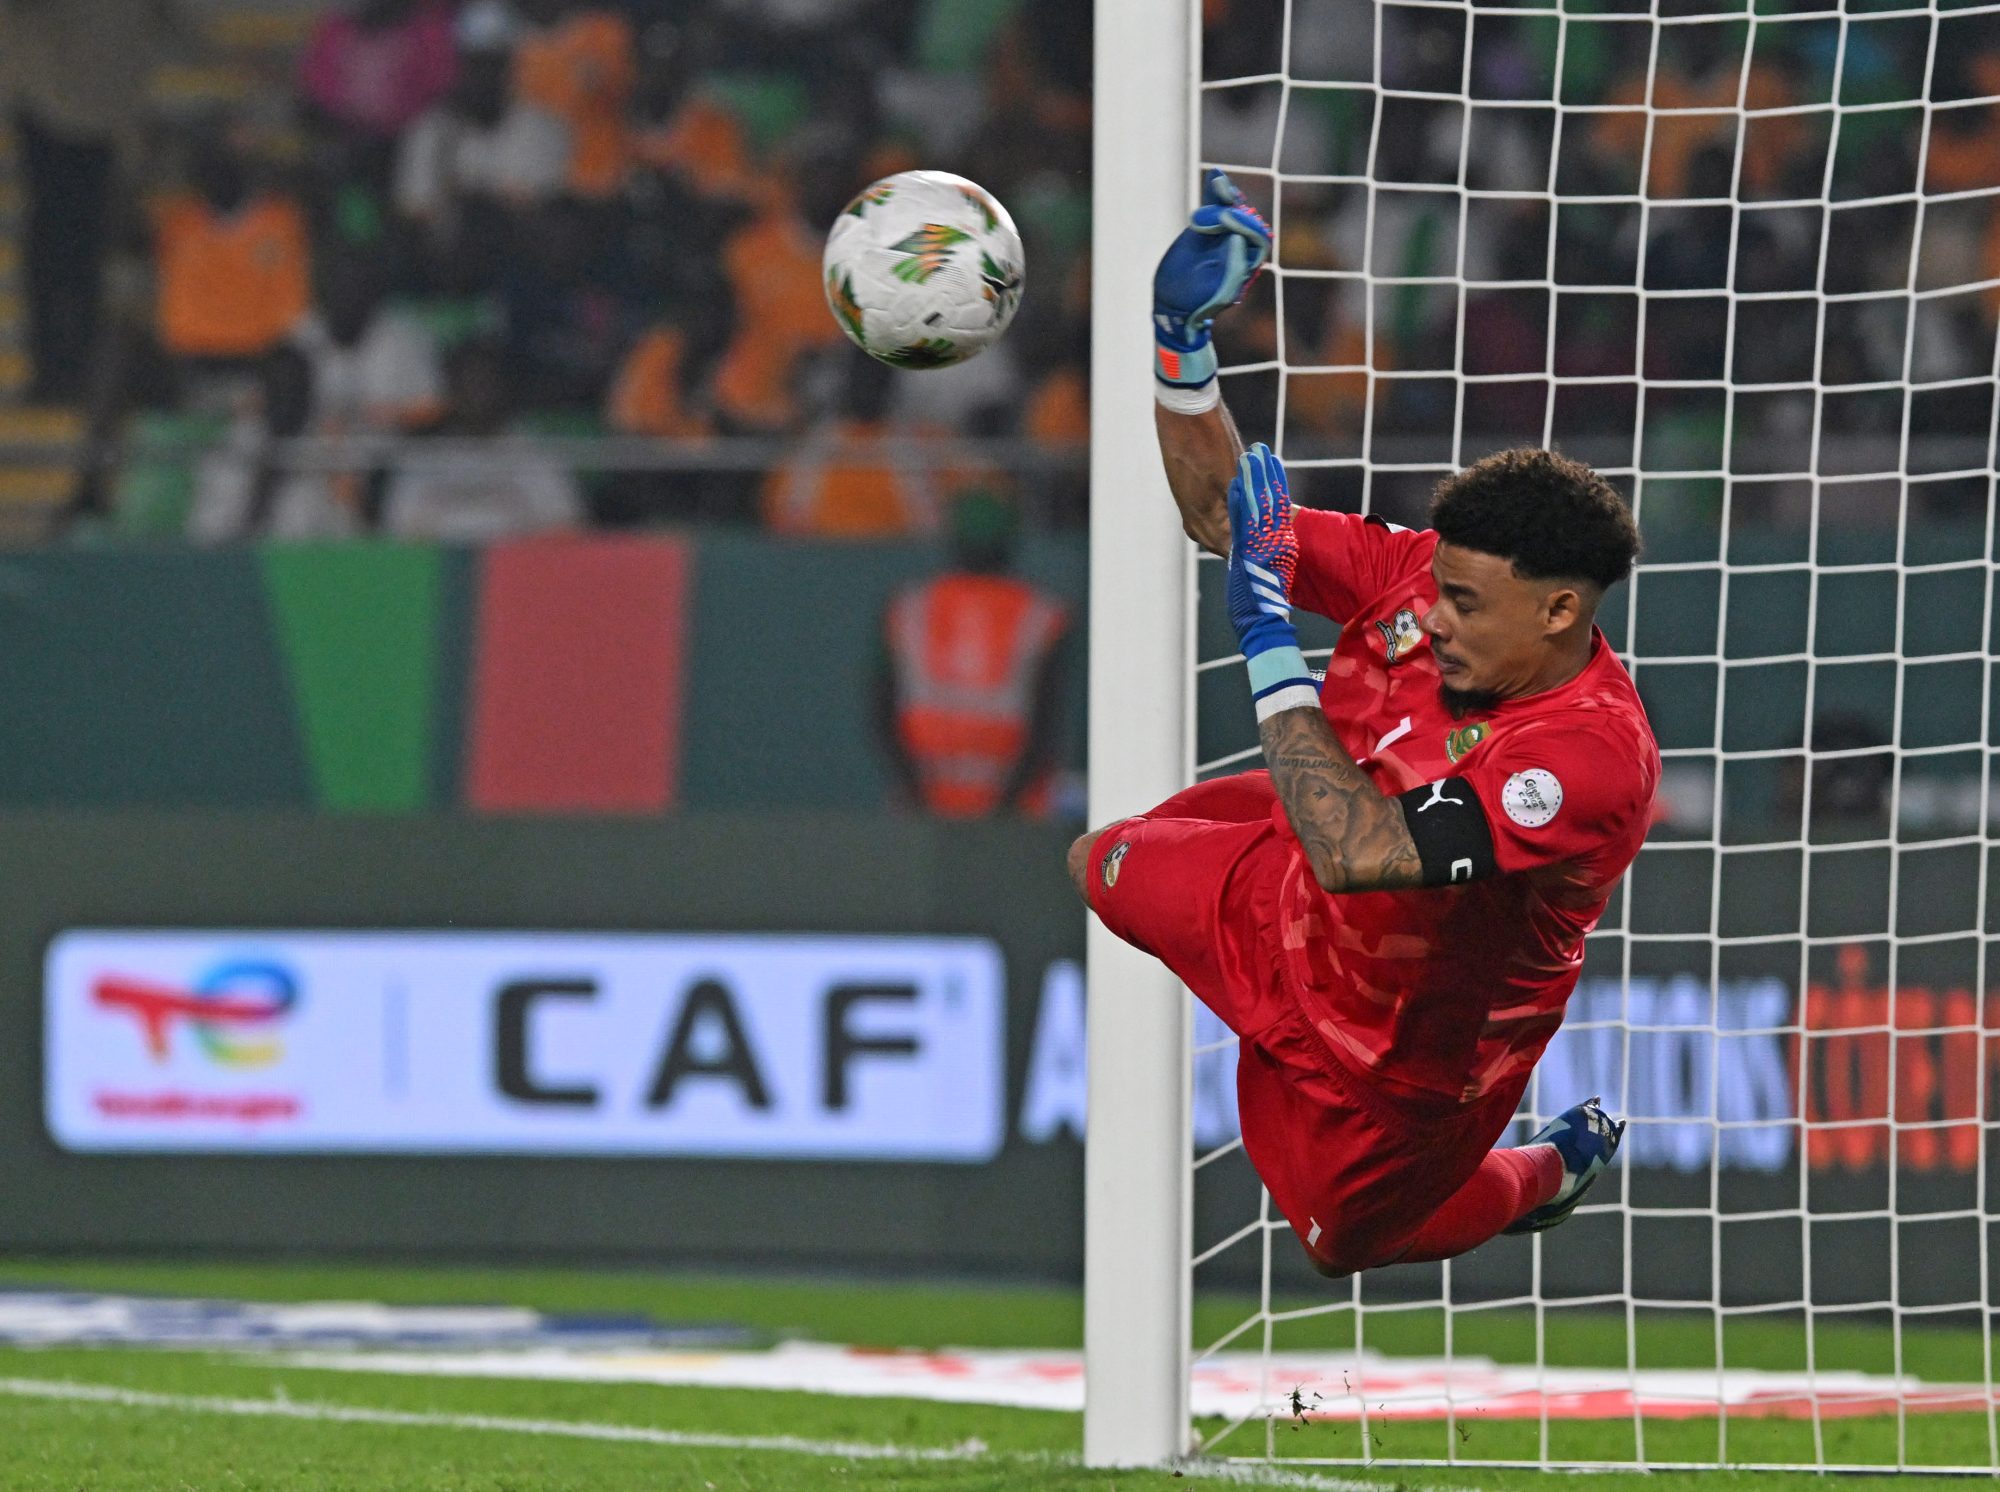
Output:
x=1532 y=798
x=1448 y=825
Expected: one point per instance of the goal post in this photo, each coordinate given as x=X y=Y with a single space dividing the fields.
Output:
x=1137 y=1185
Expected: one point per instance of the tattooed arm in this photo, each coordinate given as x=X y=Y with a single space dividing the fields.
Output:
x=1354 y=838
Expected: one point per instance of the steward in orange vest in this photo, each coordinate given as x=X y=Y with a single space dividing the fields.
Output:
x=969 y=694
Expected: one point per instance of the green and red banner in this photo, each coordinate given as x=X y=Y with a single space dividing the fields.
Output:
x=577 y=674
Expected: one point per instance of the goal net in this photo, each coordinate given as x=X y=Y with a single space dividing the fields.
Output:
x=1744 y=259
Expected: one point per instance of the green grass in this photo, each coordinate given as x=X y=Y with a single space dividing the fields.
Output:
x=70 y=1445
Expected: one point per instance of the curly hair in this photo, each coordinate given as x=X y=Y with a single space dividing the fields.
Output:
x=1551 y=517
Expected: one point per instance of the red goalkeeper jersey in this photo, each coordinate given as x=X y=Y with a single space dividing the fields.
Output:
x=1457 y=990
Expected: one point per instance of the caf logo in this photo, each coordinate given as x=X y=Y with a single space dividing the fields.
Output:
x=1533 y=797
x=1400 y=634
x=1109 y=870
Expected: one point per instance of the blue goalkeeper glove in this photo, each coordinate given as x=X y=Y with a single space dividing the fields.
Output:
x=1263 y=561
x=1207 y=269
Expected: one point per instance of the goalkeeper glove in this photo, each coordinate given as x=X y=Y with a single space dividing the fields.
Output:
x=1263 y=560
x=1205 y=270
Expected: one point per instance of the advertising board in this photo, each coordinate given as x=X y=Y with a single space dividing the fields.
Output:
x=751 y=1046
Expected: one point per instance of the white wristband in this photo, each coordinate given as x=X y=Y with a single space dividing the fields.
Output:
x=1188 y=400
x=1298 y=697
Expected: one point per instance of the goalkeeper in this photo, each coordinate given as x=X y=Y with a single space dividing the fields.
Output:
x=1392 y=916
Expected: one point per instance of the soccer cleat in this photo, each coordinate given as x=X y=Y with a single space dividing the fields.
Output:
x=1586 y=1138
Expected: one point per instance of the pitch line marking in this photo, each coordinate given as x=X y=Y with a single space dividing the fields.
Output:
x=134 y=1398
x=67 y=1390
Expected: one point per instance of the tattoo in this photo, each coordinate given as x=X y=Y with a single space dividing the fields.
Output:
x=1355 y=838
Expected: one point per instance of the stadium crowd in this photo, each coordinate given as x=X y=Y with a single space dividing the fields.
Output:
x=506 y=220
x=1753 y=230
x=528 y=218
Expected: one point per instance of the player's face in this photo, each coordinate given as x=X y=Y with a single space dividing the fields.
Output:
x=1490 y=628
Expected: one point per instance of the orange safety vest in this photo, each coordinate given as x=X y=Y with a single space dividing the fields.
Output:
x=966 y=650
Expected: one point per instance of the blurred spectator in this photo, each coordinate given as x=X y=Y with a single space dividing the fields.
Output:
x=1032 y=125
x=664 y=390
x=1056 y=415
x=1965 y=141
x=377 y=66
x=969 y=684
x=492 y=482
x=679 y=126
x=1240 y=125
x=374 y=368
x=248 y=489
x=657 y=391
x=456 y=285
x=577 y=63
x=981 y=396
x=1693 y=251
x=78 y=75
x=1505 y=335
x=1058 y=408
x=232 y=259
x=481 y=142
x=566 y=322
x=781 y=28
x=1328 y=327
x=1694 y=97
x=773 y=266
x=661 y=393
x=855 y=475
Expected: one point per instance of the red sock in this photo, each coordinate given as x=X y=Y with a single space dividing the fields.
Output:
x=1507 y=1184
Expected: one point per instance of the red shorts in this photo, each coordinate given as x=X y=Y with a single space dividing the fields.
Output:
x=1356 y=1166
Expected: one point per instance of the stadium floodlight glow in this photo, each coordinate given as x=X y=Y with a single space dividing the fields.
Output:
x=1744 y=272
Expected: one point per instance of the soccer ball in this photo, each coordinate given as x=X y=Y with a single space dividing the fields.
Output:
x=923 y=269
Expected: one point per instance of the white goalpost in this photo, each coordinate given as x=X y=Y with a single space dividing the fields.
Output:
x=1744 y=257
x=1136 y=1182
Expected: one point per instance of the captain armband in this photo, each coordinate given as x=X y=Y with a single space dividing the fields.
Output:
x=1449 y=828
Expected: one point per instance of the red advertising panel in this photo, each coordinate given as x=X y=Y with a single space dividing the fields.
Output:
x=576 y=688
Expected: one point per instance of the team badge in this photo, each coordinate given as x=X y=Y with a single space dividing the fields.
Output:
x=1465 y=738
x=1532 y=798
x=1400 y=634
x=1109 y=870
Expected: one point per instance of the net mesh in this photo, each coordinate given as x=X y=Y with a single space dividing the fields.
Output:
x=1746 y=262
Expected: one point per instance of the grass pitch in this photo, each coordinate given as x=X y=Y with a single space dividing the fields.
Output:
x=147 y=1418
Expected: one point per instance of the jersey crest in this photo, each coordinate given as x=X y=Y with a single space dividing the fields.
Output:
x=1400 y=634
x=1465 y=738
x=1108 y=872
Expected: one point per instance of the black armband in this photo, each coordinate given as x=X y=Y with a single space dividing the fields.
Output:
x=1448 y=827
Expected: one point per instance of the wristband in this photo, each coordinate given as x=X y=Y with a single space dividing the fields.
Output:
x=1291 y=697
x=1280 y=680
x=1274 y=667
x=1183 y=400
